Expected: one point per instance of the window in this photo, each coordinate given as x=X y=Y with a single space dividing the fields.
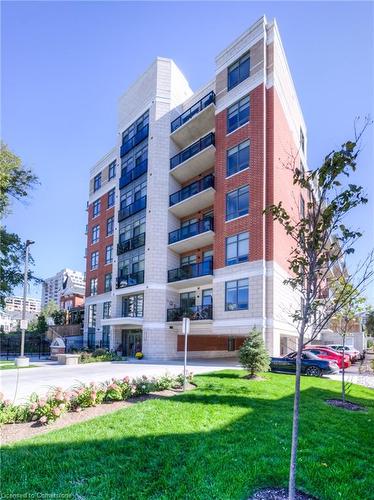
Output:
x=111 y=198
x=109 y=226
x=112 y=171
x=132 y=306
x=236 y=296
x=92 y=315
x=238 y=114
x=136 y=127
x=237 y=248
x=93 y=286
x=96 y=208
x=95 y=234
x=302 y=141
x=187 y=300
x=131 y=265
x=237 y=158
x=106 y=333
x=109 y=254
x=94 y=260
x=97 y=182
x=208 y=254
x=91 y=338
x=207 y=299
x=238 y=71
x=237 y=203
x=108 y=282
x=188 y=259
x=107 y=306
x=231 y=344
x=133 y=194
x=132 y=229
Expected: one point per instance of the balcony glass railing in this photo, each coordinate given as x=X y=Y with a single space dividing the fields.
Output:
x=132 y=209
x=130 y=244
x=134 y=141
x=192 y=230
x=133 y=174
x=192 y=150
x=193 y=110
x=195 y=313
x=192 y=189
x=132 y=279
x=189 y=271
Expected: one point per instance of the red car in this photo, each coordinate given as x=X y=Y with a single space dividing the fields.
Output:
x=325 y=353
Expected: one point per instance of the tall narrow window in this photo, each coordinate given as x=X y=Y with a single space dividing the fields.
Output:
x=107 y=306
x=96 y=208
x=238 y=114
x=93 y=286
x=111 y=198
x=237 y=203
x=109 y=254
x=97 y=182
x=110 y=226
x=238 y=71
x=237 y=158
x=94 y=260
x=95 y=234
x=108 y=282
x=112 y=170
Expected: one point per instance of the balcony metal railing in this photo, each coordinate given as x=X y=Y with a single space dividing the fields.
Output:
x=132 y=209
x=192 y=150
x=134 y=141
x=195 y=313
x=193 y=110
x=188 y=271
x=130 y=244
x=192 y=230
x=133 y=174
x=192 y=189
x=132 y=279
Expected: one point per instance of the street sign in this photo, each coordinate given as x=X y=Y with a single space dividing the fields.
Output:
x=24 y=324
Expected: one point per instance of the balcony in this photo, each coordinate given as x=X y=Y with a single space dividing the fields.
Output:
x=134 y=141
x=195 y=313
x=196 y=235
x=201 y=274
x=126 y=280
x=132 y=209
x=133 y=174
x=197 y=121
x=193 y=198
x=193 y=160
x=130 y=244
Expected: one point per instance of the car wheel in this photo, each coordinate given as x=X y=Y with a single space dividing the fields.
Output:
x=313 y=371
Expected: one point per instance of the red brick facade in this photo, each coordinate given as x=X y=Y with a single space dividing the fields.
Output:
x=209 y=343
x=100 y=246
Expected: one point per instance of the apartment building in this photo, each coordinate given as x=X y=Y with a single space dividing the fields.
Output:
x=175 y=213
x=11 y=315
x=53 y=288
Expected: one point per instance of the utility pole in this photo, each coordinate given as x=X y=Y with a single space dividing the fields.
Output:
x=22 y=360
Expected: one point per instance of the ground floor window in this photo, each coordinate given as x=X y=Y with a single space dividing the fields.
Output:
x=91 y=338
x=106 y=331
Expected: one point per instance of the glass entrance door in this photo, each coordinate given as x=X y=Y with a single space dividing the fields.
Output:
x=131 y=342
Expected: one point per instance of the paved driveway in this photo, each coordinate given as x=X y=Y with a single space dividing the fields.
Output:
x=17 y=385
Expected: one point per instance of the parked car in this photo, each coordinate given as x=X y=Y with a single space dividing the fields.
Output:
x=310 y=364
x=354 y=354
x=325 y=353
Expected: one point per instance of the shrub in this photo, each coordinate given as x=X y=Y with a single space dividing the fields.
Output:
x=48 y=409
x=99 y=352
x=179 y=379
x=142 y=385
x=118 y=389
x=98 y=355
x=11 y=413
x=253 y=355
x=164 y=382
x=85 y=396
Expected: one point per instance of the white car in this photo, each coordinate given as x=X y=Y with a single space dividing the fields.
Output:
x=353 y=353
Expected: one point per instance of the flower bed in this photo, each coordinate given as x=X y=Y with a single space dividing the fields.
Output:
x=57 y=401
x=98 y=355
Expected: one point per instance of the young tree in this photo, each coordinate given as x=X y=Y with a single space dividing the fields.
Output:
x=42 y=325
x=16 y=181
x=320 y=242
x=59 y=317
x=253 y=355
x=353 y=306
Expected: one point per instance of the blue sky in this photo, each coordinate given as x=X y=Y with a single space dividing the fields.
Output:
x=64 y=65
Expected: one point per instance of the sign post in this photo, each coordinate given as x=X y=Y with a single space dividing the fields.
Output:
x=186 y=331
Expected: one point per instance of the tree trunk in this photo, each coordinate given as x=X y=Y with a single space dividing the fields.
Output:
x=343 y=372
x=295 y=421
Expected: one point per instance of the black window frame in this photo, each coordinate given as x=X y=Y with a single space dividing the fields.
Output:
x=237 y=213
x=107 y=309
x=108 y=250
x=240 y=65
x=96 y=266
x=108 y=279
x=111 y=199
x=112 y=170
x=234 y=110
x=93 y=289
x=95 y=232
x=97 y=182
x=110 y=225
x=96 y=208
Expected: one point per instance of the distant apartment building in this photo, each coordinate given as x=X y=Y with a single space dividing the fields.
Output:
x=11 y=315
x=175 y=212
x=54 y=288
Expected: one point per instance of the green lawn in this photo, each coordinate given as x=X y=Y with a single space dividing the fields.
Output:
x=220 y=441
x=9 y=365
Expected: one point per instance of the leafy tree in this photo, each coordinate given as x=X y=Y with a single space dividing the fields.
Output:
x=42 y=325
x=320 y=241
x=369 y=323
x=50 y=309
x=15 y=183
x=253 y=355
x=59 y=317
x=353 y=306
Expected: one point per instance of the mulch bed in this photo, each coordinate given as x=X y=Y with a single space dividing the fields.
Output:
x=278 y=494
x=338 y=403
x=10 y=433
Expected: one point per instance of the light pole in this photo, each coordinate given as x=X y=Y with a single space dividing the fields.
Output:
x=22 y=360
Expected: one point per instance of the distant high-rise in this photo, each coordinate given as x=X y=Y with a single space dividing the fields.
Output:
x=53 y=288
